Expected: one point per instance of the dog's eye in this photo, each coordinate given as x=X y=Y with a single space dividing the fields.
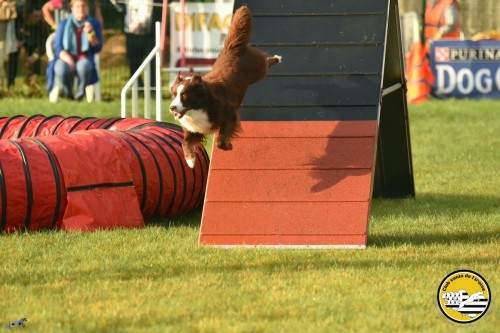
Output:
x=183 y=96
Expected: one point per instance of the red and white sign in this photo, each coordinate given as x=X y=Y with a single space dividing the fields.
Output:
x=442 y=54
x=205 y=28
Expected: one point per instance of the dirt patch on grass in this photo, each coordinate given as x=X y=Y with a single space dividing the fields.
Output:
x=114 y=52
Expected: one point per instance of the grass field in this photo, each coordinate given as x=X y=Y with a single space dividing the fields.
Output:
x=158 y=279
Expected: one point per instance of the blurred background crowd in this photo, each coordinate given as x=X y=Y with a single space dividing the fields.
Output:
x=23 y=40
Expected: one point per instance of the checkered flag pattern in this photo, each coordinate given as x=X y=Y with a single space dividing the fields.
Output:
x=442 y=54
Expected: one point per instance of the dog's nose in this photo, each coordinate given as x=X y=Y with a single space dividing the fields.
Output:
x=173 y=108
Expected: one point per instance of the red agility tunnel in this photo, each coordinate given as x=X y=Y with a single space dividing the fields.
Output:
x=87 y=173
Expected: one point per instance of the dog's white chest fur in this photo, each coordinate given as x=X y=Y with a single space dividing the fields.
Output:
x=196 y=121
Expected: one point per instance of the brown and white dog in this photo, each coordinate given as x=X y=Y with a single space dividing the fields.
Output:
x=205 y=105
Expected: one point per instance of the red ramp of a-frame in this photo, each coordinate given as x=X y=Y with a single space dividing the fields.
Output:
x=301 y=172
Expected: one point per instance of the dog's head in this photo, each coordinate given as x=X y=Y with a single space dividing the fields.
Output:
x=188 y=93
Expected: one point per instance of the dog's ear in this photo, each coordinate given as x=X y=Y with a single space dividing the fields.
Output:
x=178 y=78
x=196 y=79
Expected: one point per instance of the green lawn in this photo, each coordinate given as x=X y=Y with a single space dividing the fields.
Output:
x=158 y=279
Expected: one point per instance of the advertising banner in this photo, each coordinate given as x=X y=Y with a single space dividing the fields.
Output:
x=206 y=26
x=466 y=69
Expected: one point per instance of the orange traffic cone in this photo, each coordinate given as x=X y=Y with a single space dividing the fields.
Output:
x=418 y=74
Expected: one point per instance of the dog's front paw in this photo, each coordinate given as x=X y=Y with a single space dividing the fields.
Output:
x=190 y=161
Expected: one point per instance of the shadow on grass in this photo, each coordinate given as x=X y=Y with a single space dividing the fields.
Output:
x=189 y=219
x=210 y=262
x=425 y=207
x=207 y=262
x=433 y=238
x=436 y=207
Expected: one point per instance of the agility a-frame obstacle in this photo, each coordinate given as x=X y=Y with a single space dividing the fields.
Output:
x=322 y=132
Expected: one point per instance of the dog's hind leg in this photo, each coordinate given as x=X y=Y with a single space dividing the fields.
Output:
x=188 y=145
x=274 y=60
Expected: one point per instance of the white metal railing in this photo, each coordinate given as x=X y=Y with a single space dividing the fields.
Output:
x=145 y=67
x=133 y=83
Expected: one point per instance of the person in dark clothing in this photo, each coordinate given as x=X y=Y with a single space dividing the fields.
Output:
x=31 y=33
x=14 y=56
x=139 y=27
x=34 y=33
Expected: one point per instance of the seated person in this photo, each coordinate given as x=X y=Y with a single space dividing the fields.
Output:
x=77 y=39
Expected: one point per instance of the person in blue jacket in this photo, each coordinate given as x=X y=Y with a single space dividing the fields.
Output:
x=77 y=39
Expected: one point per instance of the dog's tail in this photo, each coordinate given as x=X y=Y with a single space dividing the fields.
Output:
x=240 y=30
